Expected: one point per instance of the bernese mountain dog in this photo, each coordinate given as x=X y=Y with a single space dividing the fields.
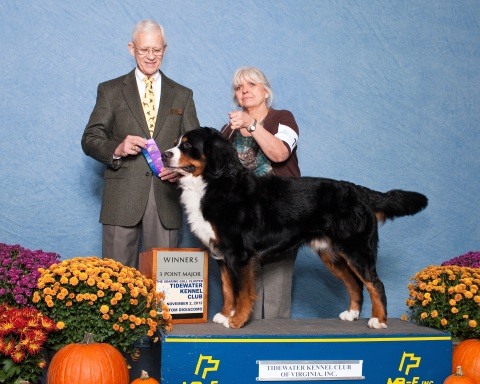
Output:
x=239 y=216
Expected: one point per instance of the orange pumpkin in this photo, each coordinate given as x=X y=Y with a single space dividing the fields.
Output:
x=458 y=378
x=144 y=379
x=467 y=355
x=88 y=363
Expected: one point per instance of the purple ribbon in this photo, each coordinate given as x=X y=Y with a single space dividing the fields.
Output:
x=153 y=156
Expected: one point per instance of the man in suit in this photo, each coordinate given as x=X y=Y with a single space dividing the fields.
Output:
x=138 y=207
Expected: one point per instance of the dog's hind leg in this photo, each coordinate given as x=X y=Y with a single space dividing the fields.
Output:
x=245 y=298
x=340 y=269
x=363 y=264
x=378 y=298
x=228 y=296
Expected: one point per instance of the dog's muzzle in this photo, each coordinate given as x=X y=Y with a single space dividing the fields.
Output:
x=166 y=158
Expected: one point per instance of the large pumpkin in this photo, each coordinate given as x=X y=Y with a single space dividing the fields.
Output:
x=88 y=363
x=458 y=378
x=467 y=355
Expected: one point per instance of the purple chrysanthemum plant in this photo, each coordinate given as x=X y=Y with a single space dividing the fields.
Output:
x=19 y=273
x=470 y=259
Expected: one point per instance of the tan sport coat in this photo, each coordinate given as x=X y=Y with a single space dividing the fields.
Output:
x=117 y=113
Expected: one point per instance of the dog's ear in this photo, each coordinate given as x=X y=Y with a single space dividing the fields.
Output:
x=218 y=154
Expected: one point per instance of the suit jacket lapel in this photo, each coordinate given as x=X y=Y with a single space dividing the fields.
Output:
x=166 y=100
x=132 y=97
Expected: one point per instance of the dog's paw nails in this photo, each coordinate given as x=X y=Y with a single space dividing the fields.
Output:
x=349 y=315
x=226 y=324
x=374 y=323
x=220 y=319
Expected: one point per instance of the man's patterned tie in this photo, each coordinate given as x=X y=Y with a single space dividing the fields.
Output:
x=148 y=103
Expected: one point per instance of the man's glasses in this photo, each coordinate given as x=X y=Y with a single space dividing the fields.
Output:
x=146 y=51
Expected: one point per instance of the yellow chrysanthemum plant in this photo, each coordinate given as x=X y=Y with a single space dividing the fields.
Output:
x=446 y=298
x=116 y=303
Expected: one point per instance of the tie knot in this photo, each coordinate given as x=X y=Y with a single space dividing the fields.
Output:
x=148 y=80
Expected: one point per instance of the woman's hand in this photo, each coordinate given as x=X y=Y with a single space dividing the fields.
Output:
x=240 y=119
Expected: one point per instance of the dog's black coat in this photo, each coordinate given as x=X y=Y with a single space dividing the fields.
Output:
x=262 y=216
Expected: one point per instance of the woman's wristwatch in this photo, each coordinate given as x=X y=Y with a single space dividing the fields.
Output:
x=252 y=127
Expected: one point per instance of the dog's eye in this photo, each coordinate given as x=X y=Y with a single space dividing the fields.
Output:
x=187 y=145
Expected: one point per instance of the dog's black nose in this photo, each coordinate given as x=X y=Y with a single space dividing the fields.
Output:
x=166 y=155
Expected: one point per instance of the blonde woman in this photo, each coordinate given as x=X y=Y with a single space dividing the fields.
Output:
x=266 y=142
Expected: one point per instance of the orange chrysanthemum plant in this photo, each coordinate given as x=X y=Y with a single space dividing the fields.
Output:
x=102 y=296
x=23 y=333
x=447 y=298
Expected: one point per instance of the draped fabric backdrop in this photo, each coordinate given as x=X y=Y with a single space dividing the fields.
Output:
x=386 y=94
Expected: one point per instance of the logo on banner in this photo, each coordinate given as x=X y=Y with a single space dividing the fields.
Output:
x=205 y=365
x=408 y=362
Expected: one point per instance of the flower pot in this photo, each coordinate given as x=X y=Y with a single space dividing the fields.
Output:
x=48 y=354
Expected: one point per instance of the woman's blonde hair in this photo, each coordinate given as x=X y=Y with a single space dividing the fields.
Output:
x=255 y=76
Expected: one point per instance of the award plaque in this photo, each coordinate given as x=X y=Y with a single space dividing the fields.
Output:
x=182 y=274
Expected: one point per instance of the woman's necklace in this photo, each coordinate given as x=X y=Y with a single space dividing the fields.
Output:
x=264 y=117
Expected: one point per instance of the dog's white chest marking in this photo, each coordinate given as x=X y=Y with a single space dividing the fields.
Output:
x=193 y=189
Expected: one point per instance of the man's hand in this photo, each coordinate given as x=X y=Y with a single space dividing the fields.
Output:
x=132 y=145
x=169 y=175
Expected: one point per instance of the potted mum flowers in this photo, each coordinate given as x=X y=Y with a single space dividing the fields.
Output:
x=447 y=297
x=19 y=272
x=23 y=332
x=89 y=294
x=23 y=329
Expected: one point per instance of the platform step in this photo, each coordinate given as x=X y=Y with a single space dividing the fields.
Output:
x=298 y=350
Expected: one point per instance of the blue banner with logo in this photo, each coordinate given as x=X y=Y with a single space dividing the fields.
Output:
x=376 y=359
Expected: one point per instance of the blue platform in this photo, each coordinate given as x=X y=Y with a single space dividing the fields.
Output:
x=312 y=350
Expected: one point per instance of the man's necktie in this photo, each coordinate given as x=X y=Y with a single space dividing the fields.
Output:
x=148 y=103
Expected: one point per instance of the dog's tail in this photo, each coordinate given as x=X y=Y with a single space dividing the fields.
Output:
x=396 y=203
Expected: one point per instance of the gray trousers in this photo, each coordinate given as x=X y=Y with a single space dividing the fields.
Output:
x=123 y=243
x=273 y=285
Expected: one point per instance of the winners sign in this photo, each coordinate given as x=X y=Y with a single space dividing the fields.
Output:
x=182 y=274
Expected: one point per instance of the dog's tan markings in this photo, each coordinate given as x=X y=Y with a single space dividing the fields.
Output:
x=345 y=274
x=199 y=167
x=227 y=289
x=245 y=299
x=378 y=310
x=186 y=162
x=381 y=218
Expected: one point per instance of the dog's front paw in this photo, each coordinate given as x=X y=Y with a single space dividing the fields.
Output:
x=219 y=318
x=235 y=322
x=349 y=315
x=374 y=323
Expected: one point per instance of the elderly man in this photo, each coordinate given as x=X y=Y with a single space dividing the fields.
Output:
x=139 y=208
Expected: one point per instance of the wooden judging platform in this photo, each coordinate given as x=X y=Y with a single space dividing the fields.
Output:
x=299 y=350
